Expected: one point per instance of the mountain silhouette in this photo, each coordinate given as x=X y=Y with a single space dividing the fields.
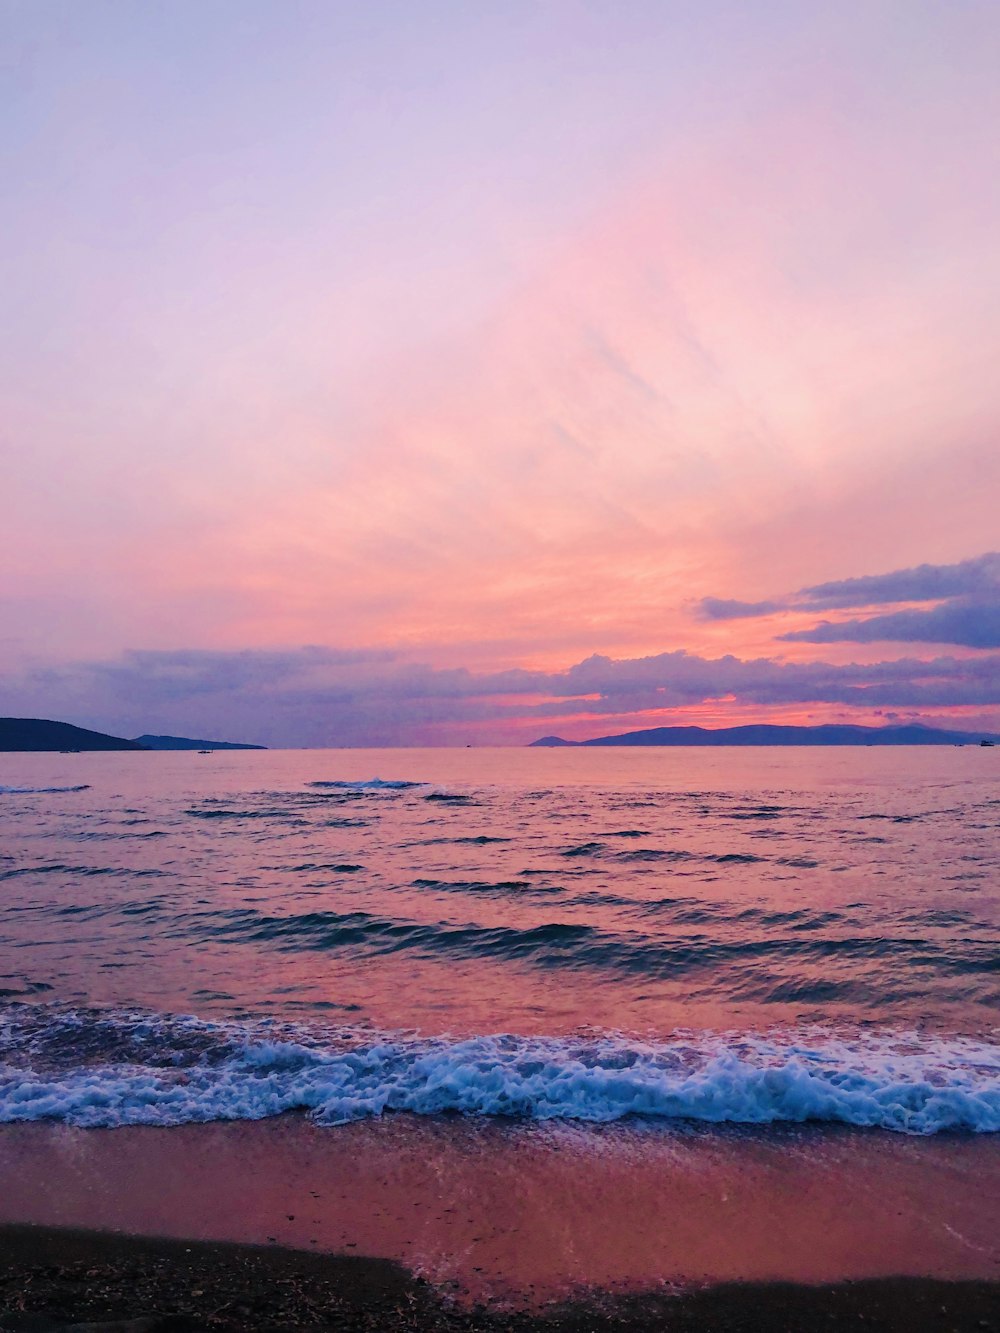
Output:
x=37 y=733
x=768 y=734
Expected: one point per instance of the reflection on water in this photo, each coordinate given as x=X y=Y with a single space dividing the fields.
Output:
x=529 y=891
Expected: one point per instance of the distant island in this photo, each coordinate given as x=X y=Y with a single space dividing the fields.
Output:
x=186 y=743
x=37 y=733
x=766 y=734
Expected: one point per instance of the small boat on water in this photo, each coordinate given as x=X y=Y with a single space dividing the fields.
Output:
x=988 y=744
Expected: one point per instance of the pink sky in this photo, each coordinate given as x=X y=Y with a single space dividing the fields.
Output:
x=467 y=339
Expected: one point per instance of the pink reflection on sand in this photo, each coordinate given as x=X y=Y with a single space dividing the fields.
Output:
x=528 y=1213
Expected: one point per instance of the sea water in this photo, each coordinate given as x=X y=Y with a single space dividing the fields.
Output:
x=655 y=936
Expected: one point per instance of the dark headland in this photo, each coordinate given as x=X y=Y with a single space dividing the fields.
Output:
x=766 y=734
x=38 y=733
x=187 y=743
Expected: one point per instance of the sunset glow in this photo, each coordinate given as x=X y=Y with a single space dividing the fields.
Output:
x=418 y=358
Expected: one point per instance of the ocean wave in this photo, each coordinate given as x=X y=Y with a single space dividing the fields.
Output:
x=368 y=784
x=579 y=945
x=222 y=812
x=41 y=791
x=94 y=1068
x=58 y=868
x=502 y=888
x=315 y=867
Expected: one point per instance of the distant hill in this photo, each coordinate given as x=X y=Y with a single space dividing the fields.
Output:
x=766 y=734
x=37 y=733
x=186 y=743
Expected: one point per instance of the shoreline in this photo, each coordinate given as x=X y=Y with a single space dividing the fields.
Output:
x=529 y=1213
x=424 y=1224
x=53 y=1279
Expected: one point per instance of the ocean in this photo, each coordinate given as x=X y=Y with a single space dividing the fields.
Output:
x=675 y=937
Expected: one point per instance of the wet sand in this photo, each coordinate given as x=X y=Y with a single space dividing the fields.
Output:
x=519 y=1216
x=56 y=1281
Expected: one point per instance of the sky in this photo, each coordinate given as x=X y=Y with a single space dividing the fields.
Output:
x=458 y=373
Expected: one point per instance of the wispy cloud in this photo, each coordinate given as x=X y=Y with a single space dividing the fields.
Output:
x=923 y=583
x=728 y=608
x=967 y=614
x=965 y=622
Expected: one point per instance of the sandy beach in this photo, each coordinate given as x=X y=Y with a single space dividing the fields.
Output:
x=522 y=1214
x=54 y=1281
x=408 y=1222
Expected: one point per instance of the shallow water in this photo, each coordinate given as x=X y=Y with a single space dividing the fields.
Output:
x=749 y=935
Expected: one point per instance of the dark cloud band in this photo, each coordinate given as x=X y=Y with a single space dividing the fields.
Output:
x=315 y=696
x=968 y=614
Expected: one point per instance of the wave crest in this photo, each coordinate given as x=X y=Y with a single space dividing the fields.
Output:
x=108 y=1069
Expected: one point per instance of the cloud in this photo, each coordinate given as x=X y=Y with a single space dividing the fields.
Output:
x=680 y=678
x=968 y=614
x=923 y=583
x=971 y=624
x=727 y=608
x=320 y=696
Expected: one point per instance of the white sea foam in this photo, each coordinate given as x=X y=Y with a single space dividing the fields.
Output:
x=368 y=784
x=38 y=791
x=909 y=1084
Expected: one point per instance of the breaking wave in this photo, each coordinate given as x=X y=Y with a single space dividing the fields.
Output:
x=368 y=784
x=110 y=1068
